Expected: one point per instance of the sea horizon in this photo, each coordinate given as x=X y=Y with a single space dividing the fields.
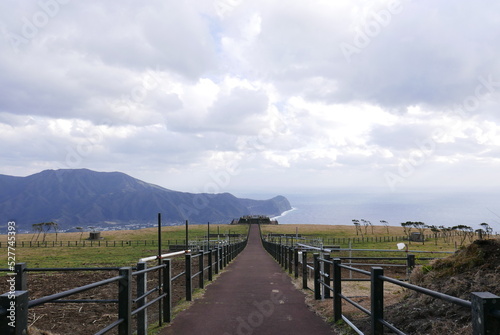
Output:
x=439 y=209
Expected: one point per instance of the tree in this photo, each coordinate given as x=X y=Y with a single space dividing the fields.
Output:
x=80 y=229
x=55 y=226
x=386 y=224
x=371 y=226
x=464 y=232
x=366 y=223
x=407 y=228
x=46 y=226
x=358 y=228
x=435 y=231
x=37 y=228
x=470 y=234
x=446 y=232
x=420 y=226
x=487 y=229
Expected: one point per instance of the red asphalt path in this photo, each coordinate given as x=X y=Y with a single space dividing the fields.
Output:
x=252 y=296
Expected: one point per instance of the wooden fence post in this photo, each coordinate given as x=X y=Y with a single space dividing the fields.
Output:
x=277 y=257
x=189 y=280
x=317 y=287
x=142 y=318
x=304 y=269
x=327 y=276
x=410 y=264
x=221 y=258
x=210 y=265
x=125 y=301
x=217 y=260
x=296 y=262
x=278 y=254
x=337 y=290
x=167 y=289
x=201 y=267
x=485 y=313
x=377 y=300
x=15 y=321
x=410 y=261
x=21 y=277
x=285 y=257
x=224 y=256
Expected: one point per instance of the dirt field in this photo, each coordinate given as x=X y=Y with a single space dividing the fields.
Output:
x=57 y=318
x=475 y=268
x=358 y=291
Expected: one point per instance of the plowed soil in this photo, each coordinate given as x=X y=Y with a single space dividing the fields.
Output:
x=84 y=318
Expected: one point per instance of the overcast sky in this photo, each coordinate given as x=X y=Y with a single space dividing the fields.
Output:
x=254 y=96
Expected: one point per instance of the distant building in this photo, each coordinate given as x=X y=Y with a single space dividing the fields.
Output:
x=254 y=219
x=417 y=237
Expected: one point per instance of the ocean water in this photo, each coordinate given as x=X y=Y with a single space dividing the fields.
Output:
x=439 y=209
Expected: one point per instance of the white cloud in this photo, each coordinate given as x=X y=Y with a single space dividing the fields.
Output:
x=177 y=91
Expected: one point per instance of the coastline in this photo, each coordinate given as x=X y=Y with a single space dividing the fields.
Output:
x=284 y=213
x=438 y=209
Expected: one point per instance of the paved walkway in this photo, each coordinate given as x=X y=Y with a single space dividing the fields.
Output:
x=252 y=296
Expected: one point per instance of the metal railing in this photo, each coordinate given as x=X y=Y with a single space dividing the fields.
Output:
x=290 y=239
x=484 y=306
x=16 y=303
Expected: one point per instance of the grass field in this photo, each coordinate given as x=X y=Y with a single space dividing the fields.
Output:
x=142 y=243
x=133 y=249
x=344 y=235
x=129 y=254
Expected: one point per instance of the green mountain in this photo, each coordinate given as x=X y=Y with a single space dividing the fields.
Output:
x=81 y=197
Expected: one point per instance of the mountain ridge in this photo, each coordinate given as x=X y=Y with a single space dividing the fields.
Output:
x=80 y=197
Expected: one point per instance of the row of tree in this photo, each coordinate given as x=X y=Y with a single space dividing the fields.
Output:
x=44 y=227
x=365 y=224
x=359 y=224
x=463 y=231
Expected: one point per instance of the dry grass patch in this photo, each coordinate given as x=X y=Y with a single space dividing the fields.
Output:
x=358 y=292
x=331 y=230
x=168 y=232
